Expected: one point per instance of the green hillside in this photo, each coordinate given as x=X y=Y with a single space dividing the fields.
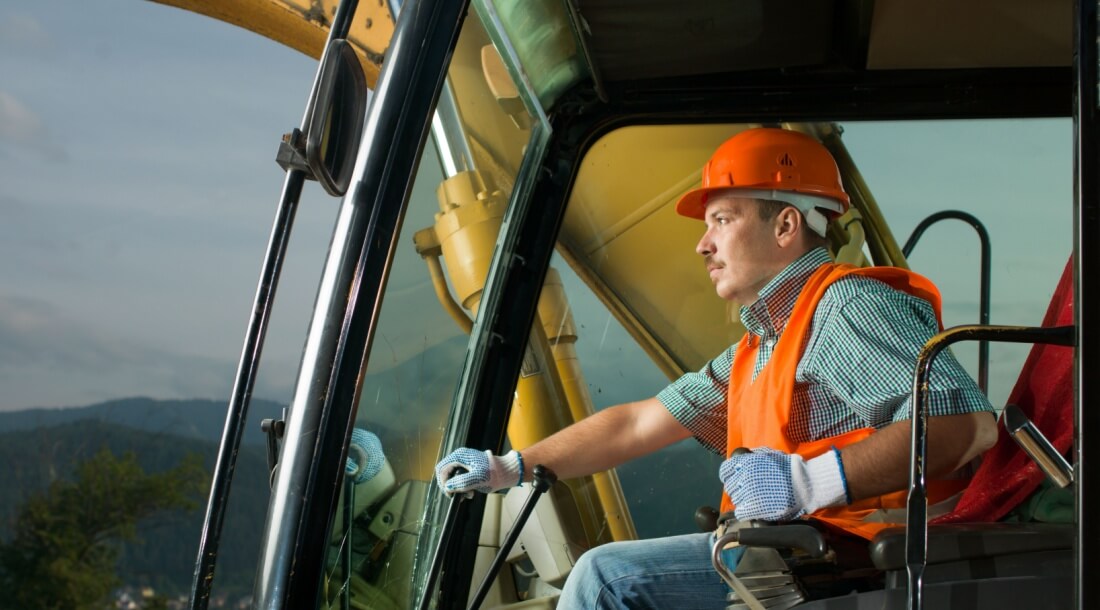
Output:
x=164 y=555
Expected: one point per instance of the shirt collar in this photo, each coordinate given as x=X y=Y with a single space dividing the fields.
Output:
x=768 y=315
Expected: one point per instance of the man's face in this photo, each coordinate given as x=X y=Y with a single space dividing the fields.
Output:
x=740 y=250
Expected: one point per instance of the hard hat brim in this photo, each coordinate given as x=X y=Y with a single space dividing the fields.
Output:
x=694 y=203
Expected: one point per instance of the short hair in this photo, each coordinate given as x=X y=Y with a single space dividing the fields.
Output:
x=768 y=209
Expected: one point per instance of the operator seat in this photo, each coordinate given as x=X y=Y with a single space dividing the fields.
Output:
x=1044 y=392
x=968 y=550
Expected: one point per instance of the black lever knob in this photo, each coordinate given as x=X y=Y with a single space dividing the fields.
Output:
x=706 y=518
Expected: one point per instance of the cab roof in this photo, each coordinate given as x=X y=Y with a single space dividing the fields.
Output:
x=703 y=41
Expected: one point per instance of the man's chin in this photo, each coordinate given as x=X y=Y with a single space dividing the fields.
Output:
x=724 y=293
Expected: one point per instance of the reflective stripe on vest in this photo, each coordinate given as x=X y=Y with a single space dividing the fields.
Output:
x=766 y=422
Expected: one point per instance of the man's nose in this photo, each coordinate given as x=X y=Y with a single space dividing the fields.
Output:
x=705 y=247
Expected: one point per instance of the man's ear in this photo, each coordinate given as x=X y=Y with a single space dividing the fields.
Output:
x=789 y=226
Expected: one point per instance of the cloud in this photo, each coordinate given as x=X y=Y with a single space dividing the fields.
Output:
x=24 y=35
x=48 y=359
x=17 y=122
x=21 y=128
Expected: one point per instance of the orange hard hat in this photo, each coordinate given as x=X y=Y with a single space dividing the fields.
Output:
x=768 y=159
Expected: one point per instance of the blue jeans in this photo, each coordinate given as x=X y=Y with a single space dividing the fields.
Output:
x=673 y=572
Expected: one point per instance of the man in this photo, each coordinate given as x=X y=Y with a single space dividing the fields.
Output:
x=818 y=388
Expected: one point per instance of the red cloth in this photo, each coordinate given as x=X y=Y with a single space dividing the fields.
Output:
x=1044 y=392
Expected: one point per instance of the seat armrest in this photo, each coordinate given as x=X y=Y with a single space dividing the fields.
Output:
x=786 y=536
x=956 y=542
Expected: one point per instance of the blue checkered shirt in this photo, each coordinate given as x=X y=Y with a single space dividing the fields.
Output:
x=857 y=368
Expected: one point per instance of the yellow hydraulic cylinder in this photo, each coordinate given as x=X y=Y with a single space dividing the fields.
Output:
x=464 y=234
x=539 y=410
x=561 y=333
x=466 y=229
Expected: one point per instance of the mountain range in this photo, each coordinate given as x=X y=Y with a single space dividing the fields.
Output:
x=194 y=419
x=38 y=446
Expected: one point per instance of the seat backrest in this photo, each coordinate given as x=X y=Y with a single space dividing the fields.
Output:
x=1044 y=392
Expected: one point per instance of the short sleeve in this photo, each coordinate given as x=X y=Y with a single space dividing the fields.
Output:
x=698 y=401
x=864 y=350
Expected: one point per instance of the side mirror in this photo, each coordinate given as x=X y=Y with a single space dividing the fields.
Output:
x=335 y=122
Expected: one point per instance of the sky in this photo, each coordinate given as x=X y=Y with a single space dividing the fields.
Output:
x=137 y=158
x=138 y=185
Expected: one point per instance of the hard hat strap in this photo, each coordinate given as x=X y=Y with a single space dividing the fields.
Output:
x=809 y=205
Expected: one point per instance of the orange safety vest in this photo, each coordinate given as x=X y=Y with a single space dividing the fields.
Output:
x=765 y=419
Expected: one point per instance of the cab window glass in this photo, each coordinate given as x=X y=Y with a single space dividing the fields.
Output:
x=459 y=197
x=1016 y=178
x=617 y=370
x=636 y=308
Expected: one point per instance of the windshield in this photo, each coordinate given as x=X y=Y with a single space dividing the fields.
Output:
x=459 y=198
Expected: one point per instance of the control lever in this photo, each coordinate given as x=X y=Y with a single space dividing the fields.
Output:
x=751 y=593
x=544 y=479
x=437 y=558
x=706 y=518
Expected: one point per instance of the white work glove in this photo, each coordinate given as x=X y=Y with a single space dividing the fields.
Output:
x=365 y=457
x=466 y=470
x=775 y=486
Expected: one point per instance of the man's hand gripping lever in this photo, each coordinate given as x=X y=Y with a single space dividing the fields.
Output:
x=542 y=480
x=466 y=470
x=459 y=475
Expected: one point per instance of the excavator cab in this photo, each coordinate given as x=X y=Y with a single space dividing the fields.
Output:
x=507 y=260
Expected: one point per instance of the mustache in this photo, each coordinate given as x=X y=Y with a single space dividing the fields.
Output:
x=709 y=261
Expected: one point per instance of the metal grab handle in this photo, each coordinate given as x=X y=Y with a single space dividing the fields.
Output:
x=543 y=480
x=984 y=279
x=916 y=527
x=731 y=579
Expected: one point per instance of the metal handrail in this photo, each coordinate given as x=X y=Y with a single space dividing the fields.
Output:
x=916 y=532
x=983 y=298
x=248 y=366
